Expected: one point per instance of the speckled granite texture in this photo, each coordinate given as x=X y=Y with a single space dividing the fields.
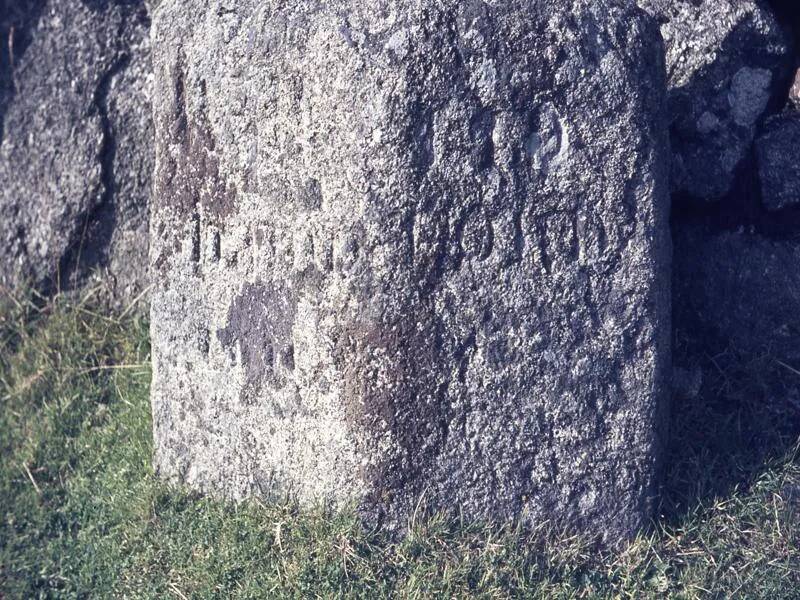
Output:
x=413 y=254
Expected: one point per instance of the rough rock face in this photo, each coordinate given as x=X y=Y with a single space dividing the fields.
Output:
x=413 y=254
x=725 y=61
x=794 y=92
x=778 y=151
x=742 y=287
x=76 y=156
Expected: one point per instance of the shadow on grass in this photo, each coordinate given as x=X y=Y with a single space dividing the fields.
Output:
x=741 y=418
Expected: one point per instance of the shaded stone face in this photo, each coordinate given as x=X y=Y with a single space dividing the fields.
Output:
x=726 y=60
x=76 y=152
x=778 y=164
x=411 y=254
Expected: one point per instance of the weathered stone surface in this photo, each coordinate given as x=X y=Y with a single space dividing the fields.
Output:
x=778 y=152
x=741 y=288
x=413 y=253
x=76 y=158
x=725 y=60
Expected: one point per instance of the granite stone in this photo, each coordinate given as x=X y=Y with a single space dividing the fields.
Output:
x=413 y=256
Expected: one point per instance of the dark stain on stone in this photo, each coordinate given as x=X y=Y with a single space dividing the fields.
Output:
x=199 y=173
x=406 y=402
x=190 y=183
x=260 y=322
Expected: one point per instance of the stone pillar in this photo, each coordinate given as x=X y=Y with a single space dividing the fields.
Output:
x=413 y=254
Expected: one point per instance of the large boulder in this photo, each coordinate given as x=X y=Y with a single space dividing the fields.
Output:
x=726 y=60
x=411 y=255
x=778 y=153
x=76 y=157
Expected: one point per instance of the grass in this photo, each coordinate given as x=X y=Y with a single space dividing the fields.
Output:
x=81 y=514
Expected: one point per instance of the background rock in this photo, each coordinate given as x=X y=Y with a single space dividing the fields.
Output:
x=76 y=153
x=735 y=313
x=410 y=256
x=726 y=61
x=778 y=151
